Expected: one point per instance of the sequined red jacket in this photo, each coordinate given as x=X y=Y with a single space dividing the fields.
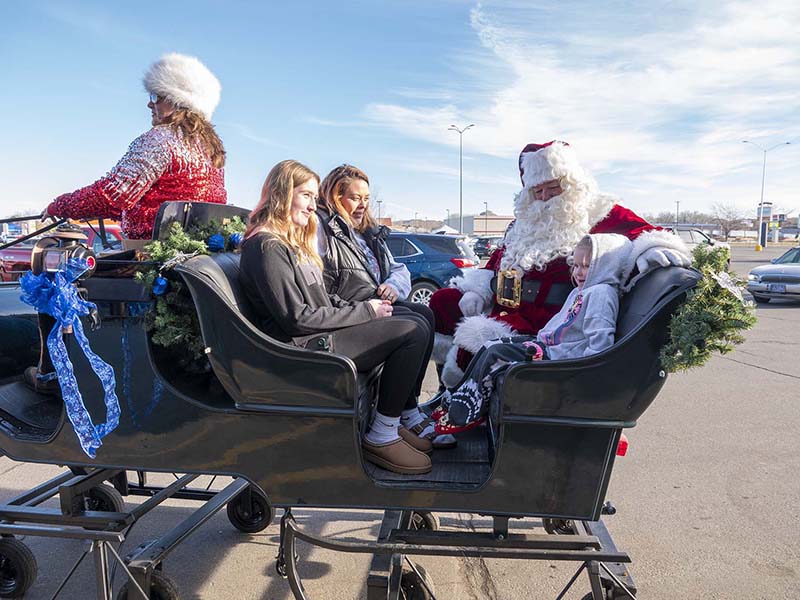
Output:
x=158 y=167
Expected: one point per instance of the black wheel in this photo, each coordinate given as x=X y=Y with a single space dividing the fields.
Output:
x=17 y=568
x=412 y=587
x=161 y=588
x=250 y=513
x=558 y=526
x=424 y=520
x=104 y=498
x=761 y=299
x=421 y=292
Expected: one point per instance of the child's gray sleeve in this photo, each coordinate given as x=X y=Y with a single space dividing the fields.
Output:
x=600 y=320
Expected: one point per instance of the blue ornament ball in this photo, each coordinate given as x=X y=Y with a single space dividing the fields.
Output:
x=160 y=286
x=236 y=240
x=216 y=243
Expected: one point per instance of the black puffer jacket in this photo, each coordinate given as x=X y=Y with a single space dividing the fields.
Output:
x=346 y=272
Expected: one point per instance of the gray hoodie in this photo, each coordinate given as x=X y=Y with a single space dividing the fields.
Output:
x=586 y=323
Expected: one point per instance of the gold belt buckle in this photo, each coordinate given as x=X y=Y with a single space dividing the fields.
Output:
x=516 y=292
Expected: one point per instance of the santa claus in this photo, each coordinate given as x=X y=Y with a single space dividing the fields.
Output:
x=527 y=278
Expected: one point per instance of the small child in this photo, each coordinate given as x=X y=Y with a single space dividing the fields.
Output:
x=585 y=325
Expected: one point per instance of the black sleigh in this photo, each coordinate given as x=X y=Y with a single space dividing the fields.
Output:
x=286 y=423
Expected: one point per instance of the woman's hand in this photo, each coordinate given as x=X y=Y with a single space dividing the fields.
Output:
x=46 y=214
x=381 y=308
x=387 y=292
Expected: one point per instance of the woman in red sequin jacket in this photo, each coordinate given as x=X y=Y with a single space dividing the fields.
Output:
x=180 y=158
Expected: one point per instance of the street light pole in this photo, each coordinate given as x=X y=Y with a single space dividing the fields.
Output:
x=416 y=226
x=486 y=217
x=677 y=212
x=460 y=173
x=379 y=210
x=448 y=217
x=759 y=247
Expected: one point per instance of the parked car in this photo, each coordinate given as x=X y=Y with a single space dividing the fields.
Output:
x=484 y=246
x=781 y=279
x=432 y=259
x=695 y=237
x=16 y=260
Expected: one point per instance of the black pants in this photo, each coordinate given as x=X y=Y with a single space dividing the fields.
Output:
x=401 y=343
x=424 y=314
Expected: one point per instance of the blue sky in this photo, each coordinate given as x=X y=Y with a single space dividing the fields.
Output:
x=655 y=97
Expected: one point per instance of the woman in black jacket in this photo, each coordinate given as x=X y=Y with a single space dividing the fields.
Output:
x=359 y=266
x=281 y=273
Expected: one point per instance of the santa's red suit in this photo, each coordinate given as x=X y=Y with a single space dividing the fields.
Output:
x=527 y=278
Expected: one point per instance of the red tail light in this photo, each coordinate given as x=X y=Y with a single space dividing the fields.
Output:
x=462 y=263
x=622 y=446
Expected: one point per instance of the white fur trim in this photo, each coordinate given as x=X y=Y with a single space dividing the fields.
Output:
x=185 y=82
x=643 y=243
x=451 y=373
x=472 y=332
x=552 y=162
x=441 y=346
x=475 y=280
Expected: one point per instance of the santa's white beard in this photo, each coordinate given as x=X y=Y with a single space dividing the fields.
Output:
x=544 y=231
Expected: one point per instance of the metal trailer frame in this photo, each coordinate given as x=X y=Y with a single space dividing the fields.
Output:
x=22 y=515
x=586 y=542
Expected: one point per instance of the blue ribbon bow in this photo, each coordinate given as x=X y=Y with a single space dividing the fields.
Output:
x=55 y=295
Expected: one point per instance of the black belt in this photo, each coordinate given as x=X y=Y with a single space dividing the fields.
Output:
x=528 y=290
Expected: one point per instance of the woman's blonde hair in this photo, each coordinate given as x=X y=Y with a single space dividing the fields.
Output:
x=333 y=188
x=196 y=130
x=273 y=211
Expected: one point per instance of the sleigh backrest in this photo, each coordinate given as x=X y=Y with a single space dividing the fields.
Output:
x=650 y=291
x=188 y=214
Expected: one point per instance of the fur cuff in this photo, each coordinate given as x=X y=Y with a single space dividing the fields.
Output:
x=441 y=346
x=475 y=280
x=473 y=332
x=643 y=243
x=451 y=373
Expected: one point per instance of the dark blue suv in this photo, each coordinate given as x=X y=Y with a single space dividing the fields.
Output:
x=432 y=259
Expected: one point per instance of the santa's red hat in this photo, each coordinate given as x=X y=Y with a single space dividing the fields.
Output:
x=545 y=162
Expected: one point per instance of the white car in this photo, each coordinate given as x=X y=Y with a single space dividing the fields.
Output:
x=781 y=279
x=695 y=237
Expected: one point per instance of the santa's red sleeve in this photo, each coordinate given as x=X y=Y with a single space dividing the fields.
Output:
x=147 y=158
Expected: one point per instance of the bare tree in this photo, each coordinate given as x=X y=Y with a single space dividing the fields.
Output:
x=727 y=217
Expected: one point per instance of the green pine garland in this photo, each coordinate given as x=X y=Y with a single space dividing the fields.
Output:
x=713 y=317
x=173 y=324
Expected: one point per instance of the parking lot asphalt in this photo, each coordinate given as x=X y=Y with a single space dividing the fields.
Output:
x=707 y=500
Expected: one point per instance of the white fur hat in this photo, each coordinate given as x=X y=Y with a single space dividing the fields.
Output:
x=184 y=81
x=544 y=162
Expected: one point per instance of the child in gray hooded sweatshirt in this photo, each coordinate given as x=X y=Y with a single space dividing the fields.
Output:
x=585 y=325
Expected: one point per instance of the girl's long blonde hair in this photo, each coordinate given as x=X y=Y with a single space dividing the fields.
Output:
x=333 y=188
x=273 y=212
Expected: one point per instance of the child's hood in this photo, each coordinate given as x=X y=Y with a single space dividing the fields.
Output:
x=609 y=254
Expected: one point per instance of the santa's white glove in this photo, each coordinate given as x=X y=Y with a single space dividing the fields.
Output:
x=661 y=257
x=471 y=304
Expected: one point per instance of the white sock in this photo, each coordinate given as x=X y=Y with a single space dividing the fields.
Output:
x=428 y=430
x=383 y=429
x=411 y=417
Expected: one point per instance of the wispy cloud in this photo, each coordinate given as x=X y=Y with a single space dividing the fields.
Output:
x=96 y=22
x=670 y=105
x=246 y=132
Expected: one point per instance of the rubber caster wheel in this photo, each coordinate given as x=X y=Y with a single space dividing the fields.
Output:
x=558 y=526
x=250 y=513
x=422 y=520
x=17 y=568
x=161 y=588
x=104 y=498
x=413 y=586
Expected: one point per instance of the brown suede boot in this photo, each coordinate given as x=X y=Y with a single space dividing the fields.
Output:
x=413 y=440
x=48 y=388
x=397 y=456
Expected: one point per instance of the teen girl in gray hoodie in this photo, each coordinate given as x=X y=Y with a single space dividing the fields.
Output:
x=585 y=325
